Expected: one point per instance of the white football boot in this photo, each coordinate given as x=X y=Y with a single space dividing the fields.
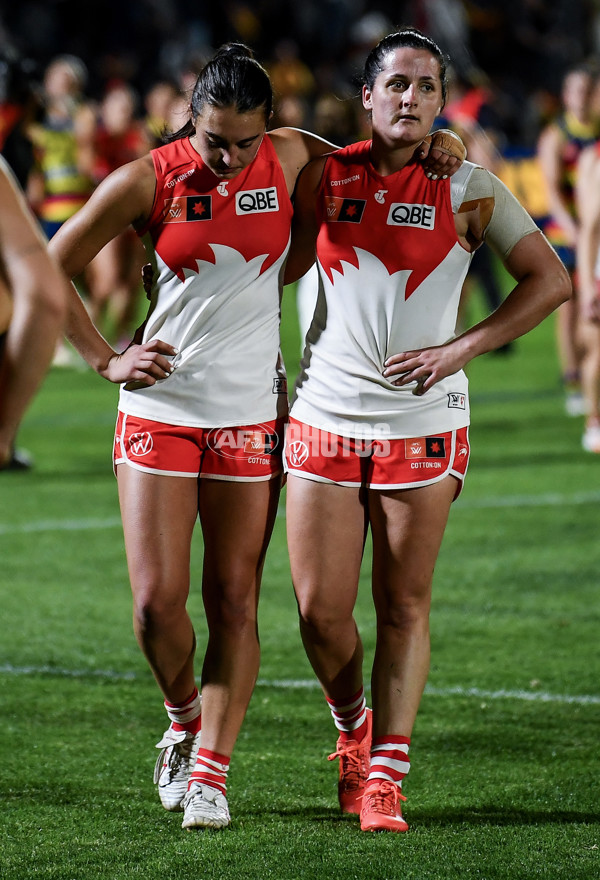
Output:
x=174 y=767
x=205 y=807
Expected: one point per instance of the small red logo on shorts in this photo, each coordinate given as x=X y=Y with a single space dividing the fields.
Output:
x=256 y=441
x=297 y=453
x=415 y=448
x=141 y=444
x=425 y=447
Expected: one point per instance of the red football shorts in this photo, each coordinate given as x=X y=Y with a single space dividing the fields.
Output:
x=243 y=453
x=386 y=463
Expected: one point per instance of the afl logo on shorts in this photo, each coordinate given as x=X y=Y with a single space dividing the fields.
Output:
x=296 y=453
x=141 y=444
x=244 y=443
x=256 y=201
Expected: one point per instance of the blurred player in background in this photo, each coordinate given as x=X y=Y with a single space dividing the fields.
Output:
x=33 y=300
x=559 y=147
x=378 y=431
x=60 y=182
x=114 y=278
x=588 y=207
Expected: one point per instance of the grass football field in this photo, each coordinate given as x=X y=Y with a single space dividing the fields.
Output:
x=505 y=759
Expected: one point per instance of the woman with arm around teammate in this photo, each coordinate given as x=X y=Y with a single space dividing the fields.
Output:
x=202 y=402
x=378 y=433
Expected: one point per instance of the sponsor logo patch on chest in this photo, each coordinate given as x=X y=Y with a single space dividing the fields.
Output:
x=256 y=201
x=344 y=210
x=186 y=209
x=401 y=214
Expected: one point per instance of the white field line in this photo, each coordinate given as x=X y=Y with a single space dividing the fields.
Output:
x=60 y=525
x=311 y=684
x=553 y=499
x=556 y=499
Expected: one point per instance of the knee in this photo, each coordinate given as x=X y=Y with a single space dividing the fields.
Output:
x=232 y=606
x=319 y=619
x=153 y=611
x=405 y=615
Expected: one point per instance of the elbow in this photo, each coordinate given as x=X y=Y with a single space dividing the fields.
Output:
x=563 y=287
x=50 y=301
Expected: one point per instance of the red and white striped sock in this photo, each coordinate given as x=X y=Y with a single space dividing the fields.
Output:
x=350 y=716
x=186 y=715
x=211 y=769
x=389 y=759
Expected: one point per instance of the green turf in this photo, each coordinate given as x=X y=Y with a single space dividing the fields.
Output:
x=504 y=782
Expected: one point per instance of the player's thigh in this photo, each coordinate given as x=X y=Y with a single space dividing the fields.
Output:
x=158 y=513
x=237 y=519
x=326 y=527
x=408 y=527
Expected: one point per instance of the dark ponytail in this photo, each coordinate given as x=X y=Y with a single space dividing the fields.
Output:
x=232 y=78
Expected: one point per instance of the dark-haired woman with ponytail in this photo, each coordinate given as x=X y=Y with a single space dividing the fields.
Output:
x=378 y=431
x=202 y=403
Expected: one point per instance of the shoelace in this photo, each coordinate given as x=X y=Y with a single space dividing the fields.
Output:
x=181 y=751
x=352 y=769
x=384 y=799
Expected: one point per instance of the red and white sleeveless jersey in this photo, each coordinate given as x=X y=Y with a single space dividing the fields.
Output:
x=391 y=271
x=218 y=249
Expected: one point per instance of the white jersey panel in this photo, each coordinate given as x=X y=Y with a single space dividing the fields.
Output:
x=224 y=322
x=391 y=272
x=218 y=249
x=359 y=322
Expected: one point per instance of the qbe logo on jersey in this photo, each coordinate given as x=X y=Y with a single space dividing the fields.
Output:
x=256 y=201
x=421 y=216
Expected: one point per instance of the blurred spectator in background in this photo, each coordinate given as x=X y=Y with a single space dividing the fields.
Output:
x=33 y=301
x=559 y=147
x=334 y=118
x=290 y=110
x=470 y=113
x=158 y=103
x=19 y=107
x=114 y=275
x=60 y=182
x=289 y=74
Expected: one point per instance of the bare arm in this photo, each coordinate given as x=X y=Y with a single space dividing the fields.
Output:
x=125 y=197
x=295 y=148
x=38 y=291
x=442 y=152
x=305 y=227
